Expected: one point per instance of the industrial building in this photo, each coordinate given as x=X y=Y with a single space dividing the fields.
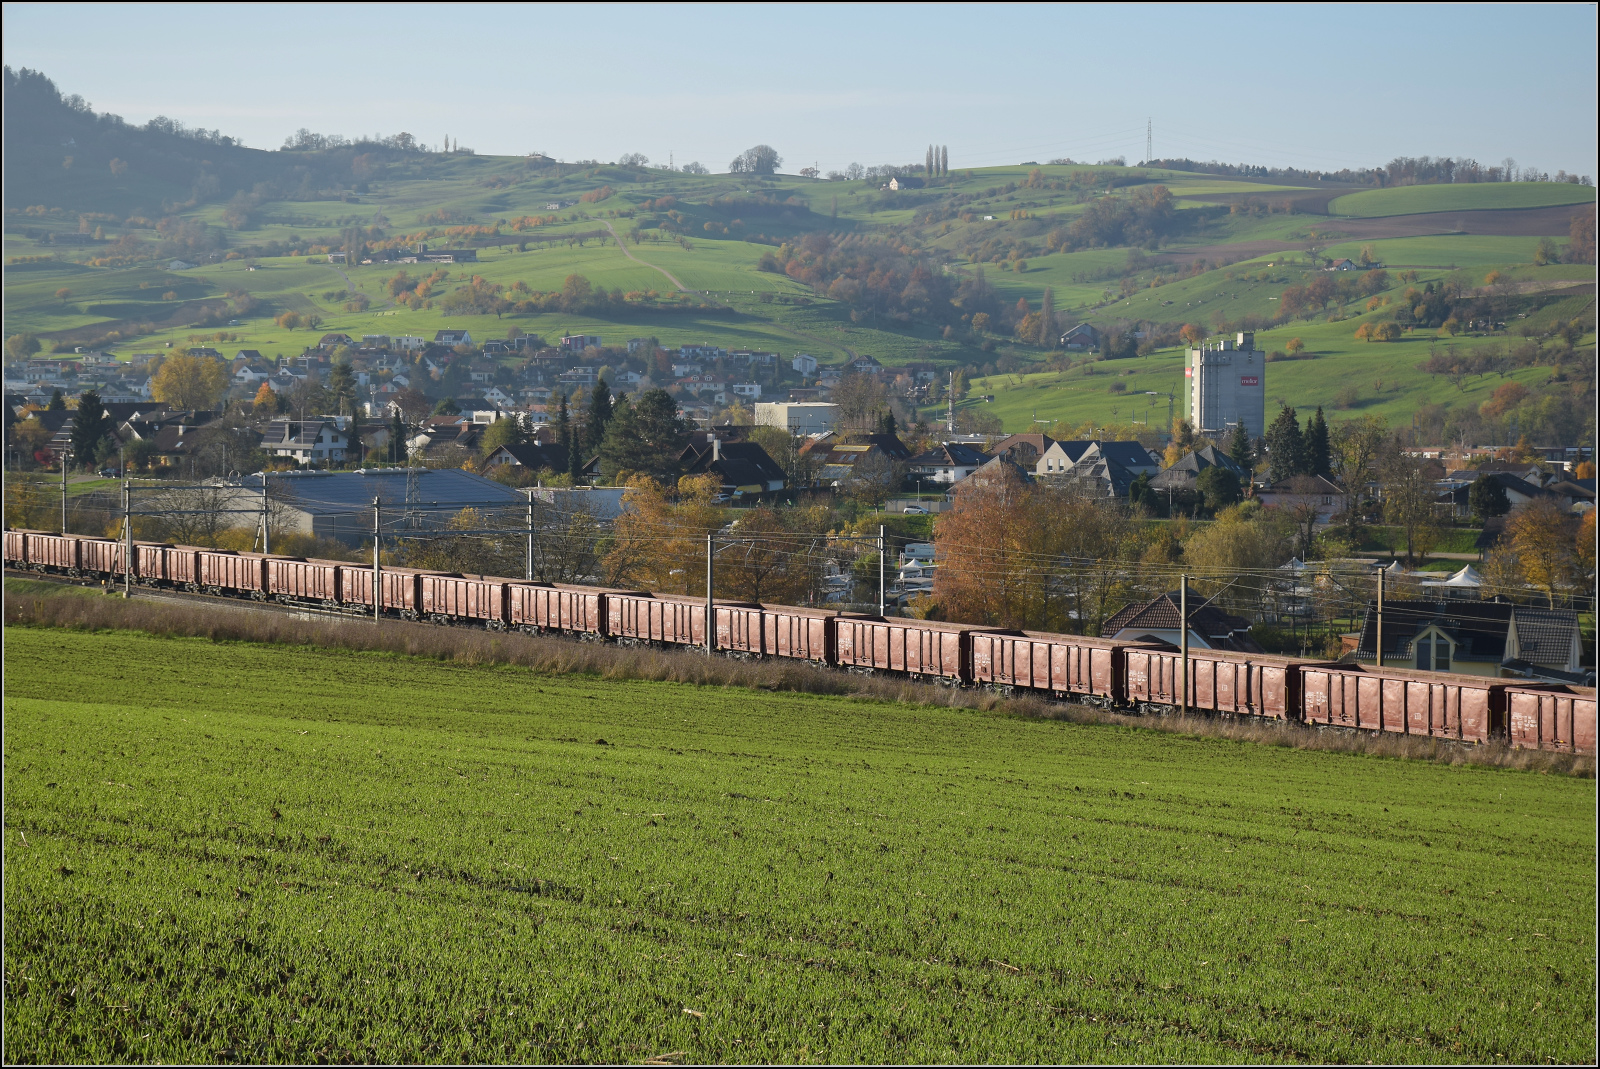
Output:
x=1227 y=384
x=798 y=417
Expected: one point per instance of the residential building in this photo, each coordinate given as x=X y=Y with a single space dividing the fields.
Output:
x=840 y=459
x=533 y=455
x=452 y=338
x=798 y=417
x=1159 y=620
x=1184 y=476
x=947 y=463
x=804 y=363
x=1078 y=457
x=333 y=341
x=744 y=468
x=577 y=343
x=408 y=343
x=637 y=344
x=701 y=352
x=748 y=391
x=1024 y=449
x=308 y=442
x=1477 y=638
x=1314 y=491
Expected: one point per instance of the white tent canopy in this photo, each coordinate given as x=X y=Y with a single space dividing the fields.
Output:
x=1465 y=579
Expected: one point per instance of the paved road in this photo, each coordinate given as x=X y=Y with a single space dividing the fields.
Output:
x=624 y=247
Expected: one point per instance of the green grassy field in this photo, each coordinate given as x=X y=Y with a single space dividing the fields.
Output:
x=240 y=852
x=1469 y=196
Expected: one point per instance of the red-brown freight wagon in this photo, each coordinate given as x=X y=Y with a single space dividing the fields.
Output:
x=150 y=562
x=1553 y=717
x=1059 y=664
x=183 y=567
x=1220 y=681
x=1439 y=705
x=400 y=588
x=891 y=644
x=223 y=571
x=17 y=548
x=297 y=579
x=101 y=557
x=559 y=607
x=772 y=630
x=448 y=597
x=803 y=634
x=670 y=619
x=54 y=553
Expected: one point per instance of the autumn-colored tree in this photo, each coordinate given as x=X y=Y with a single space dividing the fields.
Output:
x=266 y=399
x=1543 y=536
x=1294 y=347
x=63 y=293
x=1192 y=334
x=190 y=382
x=1015 y=554
x=774 y=559
x=1581 y=234
x=289 y=320
x=660 y=538
x=1408 y=503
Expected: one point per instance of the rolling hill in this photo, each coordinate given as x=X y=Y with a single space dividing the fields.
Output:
x=785 y=262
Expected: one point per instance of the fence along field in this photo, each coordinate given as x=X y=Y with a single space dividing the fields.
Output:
x=274 y=853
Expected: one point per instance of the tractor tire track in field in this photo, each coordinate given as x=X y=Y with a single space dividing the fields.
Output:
x=624 y=247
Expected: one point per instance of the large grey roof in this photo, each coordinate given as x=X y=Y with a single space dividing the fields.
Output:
x=329 y=492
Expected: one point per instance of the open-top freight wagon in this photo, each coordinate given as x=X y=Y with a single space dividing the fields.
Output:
x=1139 y=675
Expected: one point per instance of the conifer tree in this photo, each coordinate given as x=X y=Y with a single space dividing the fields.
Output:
x=1239 y=448
x=944 y=161
x=1319 y=451
x=397 y=437
x=1285 y=446
x=1047 y=320
x=927 y=163
x=600 y=409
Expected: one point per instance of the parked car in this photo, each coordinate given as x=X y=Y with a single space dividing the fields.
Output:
x=915 y=510
x=109 y=473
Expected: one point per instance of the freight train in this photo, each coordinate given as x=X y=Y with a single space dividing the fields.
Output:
x=1138 y=676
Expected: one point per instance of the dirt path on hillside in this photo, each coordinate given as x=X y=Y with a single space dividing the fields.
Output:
x=624 y=247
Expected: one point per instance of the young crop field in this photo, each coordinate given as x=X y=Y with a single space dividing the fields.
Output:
x=231 y=851
x=1466 y=196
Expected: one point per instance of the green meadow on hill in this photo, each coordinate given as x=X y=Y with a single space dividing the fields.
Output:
x=1219 y=256
x=233 y=851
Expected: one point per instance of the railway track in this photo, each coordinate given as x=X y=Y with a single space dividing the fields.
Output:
x=302 y=612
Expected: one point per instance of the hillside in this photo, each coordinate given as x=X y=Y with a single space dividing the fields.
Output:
x=781 y=262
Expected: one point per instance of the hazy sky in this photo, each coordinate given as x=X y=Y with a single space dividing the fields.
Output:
x=1312 y=86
